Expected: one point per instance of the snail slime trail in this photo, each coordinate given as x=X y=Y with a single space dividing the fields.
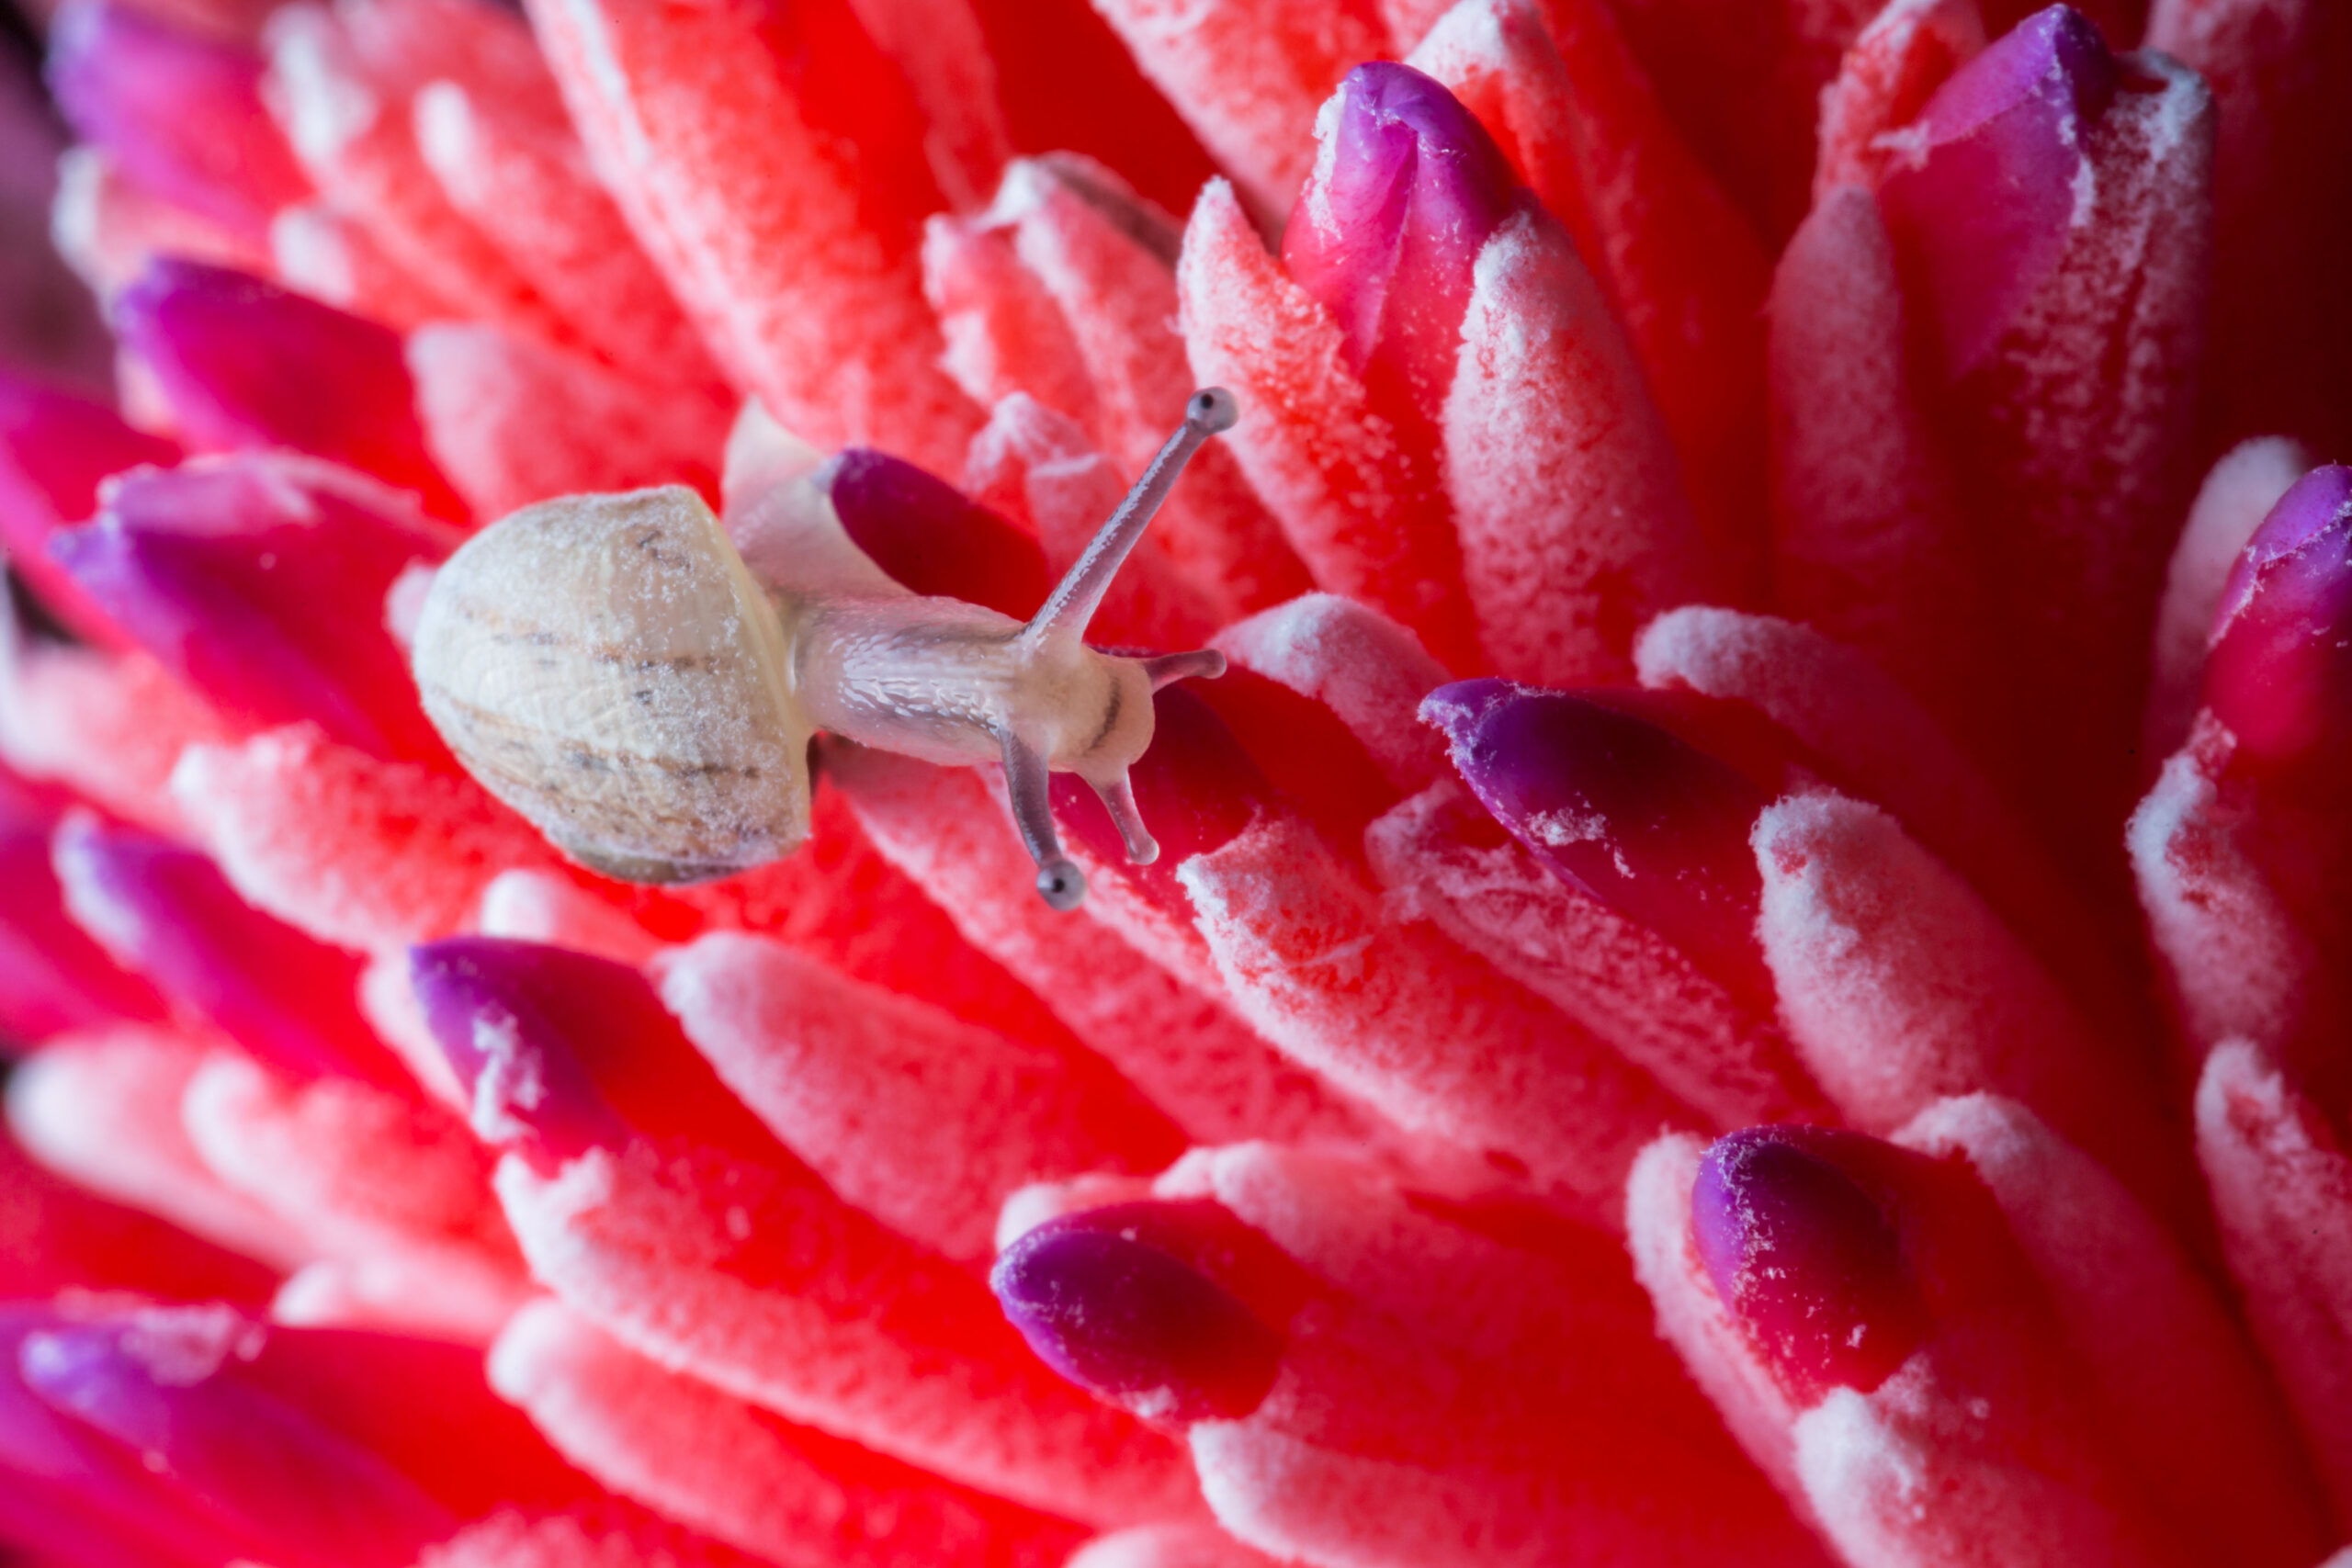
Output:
x=640 y=680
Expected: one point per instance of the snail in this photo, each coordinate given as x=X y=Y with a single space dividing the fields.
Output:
x=641 y=684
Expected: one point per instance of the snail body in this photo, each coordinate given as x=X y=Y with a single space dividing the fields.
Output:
x=641 y=683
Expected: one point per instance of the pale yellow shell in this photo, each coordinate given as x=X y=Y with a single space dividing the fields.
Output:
x=606 y=665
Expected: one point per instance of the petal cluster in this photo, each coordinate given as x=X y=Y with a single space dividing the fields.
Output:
x=1748 y=961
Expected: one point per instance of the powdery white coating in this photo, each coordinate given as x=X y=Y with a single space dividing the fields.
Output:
x=1630 y=987
x=180 y=1346
x=365 y=1176
x=1694 y=1320
x=1566 y=500
x=2282 y=1191
x=1869 y=541
x=536 y=905
x=1504 y=1399
x=1365 y=523
x=104 y=1110
x=2209 y=1437
x=1888 y=73
x=1247 y=75
x=2235 y=497
x=924 y=1122
x=1871 y=1464
x=2238 y=966
x=1842 y=706
x=596 y=1536
x=765 y=1285
x=110 y=725
x=1891 y=751
x=1369 y=671
x=1681 y=265
x=1418 y=1027
x=757 y=228
x=512 y=420
x=354 y=850
x=739 y=1474
x=1899 y=987
x=1190 y=1057
x=1168 y=1546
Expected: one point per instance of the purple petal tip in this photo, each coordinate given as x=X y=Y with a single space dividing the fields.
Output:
x=1407 y=192
x=2279 y=671
x=1620 y=808
x=260 y=580
x=1981 y=210
x=1805 y=1256
x=1123 y=1301
x=168 y=913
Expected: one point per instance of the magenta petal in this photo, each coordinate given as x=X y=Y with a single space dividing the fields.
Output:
x=2279 y=671
x=67 y=1491
x=563 y=1053
x=244 y=364
x=53 y=977
x=260 y=580
x=932 y=538
x=1805 y=1257
x=55 y=449
x=1981 y=208
x=167 y=912
x=180 y=114
x=1405 y=194
x=1126 y=1301
x=1621 y=809
x=155 y=1385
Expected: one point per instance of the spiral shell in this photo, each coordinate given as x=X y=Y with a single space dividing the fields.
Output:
x=606 y=665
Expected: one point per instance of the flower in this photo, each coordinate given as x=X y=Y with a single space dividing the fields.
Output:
x=1744 y=964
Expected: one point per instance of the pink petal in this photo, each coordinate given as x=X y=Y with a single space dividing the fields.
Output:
x=1197 y=1063
x=789 y=1494
x=1418 y=1028
x=1365 y=523
x=1246 y=77
x=801 y=272
x=514 y=420
x=2282 y=1189
x=1870 y=542
x=1107 y=258
x=1573 y=524
x=531 y=193
x=922 y=1120
x=1613 y=976
x=1900 y=986
x=2211 y=1434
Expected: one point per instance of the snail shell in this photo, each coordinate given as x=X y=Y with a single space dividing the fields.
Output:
x=607 y=666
